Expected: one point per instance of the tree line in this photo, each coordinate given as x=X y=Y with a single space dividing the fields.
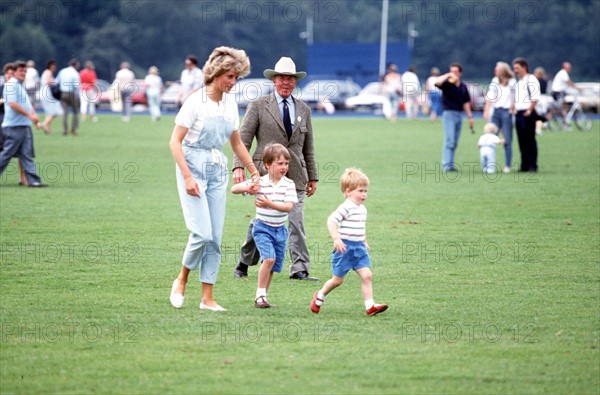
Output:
x=476 y=34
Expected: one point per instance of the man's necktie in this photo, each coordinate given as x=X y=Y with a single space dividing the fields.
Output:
x=287 y=122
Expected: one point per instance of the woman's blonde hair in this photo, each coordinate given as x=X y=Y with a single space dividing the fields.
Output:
x=505 y=73
x=540 y=73
x=353 y=178
x=223 y=59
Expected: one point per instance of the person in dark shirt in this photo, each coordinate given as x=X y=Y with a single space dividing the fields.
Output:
x=542 y=77
x=455 y=101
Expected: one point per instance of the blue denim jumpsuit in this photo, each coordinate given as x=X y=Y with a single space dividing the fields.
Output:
x=205 y=215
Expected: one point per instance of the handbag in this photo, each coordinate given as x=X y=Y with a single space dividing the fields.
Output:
x=55 y=90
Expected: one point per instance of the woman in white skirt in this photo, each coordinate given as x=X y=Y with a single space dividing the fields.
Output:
x=51 y=106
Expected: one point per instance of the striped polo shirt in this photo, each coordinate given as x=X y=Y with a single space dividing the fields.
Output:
x=284 y=191
x=351 y=220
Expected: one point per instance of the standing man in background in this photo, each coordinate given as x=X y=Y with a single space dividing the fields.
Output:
x=411 y=86
x=527 y=95
x=32 y=81
x=455 y=101
x=16 y=126
x=125 y=83
x=69 y=81
x=392 y=87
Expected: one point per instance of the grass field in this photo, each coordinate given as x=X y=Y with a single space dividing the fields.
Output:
x=493 y=282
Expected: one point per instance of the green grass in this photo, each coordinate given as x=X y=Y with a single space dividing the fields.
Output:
x=493 y=283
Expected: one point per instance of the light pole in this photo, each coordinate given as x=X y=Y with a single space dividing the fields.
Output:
x=383 y=40
x=308 y=33
x=412 y=34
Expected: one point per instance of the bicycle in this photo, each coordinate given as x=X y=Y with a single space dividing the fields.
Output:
x=557 y=121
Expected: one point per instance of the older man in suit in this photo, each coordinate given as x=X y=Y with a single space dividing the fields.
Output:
x=284 y=119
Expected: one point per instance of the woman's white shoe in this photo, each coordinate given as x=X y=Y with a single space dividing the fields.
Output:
x=176 y=299
x=211 y=308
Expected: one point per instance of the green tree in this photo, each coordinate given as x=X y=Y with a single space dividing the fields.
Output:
x=28 y=42
x=162 y=33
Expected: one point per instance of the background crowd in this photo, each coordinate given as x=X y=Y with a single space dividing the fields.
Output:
x=74 y=92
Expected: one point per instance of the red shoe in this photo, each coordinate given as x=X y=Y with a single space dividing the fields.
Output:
x=377 y=308
x=314 y=307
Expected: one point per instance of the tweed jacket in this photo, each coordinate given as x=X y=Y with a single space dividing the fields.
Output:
x=263 y=122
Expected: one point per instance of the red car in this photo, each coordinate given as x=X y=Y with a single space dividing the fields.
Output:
x=139 y=95
x=110 y=94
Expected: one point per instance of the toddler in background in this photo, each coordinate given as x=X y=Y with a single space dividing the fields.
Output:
x=487 y=147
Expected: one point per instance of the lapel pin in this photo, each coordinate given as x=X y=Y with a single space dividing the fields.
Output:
x=299 y=119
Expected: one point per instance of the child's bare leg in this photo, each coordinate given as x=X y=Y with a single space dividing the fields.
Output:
x=270 y=279
x=265 y=274
x=367 y=289
x=366 y=283
x=319 y=296
x=331 y=284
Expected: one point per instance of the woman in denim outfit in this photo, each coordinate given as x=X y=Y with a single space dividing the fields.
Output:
x=208 y=118
x=498 y=106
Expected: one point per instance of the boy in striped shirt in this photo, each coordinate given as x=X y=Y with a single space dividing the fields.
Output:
x=347 y=228
x=274 y=200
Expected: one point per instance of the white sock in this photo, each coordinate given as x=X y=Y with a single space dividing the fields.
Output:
x=261 y=292
x=321 y=297
x=369 y=303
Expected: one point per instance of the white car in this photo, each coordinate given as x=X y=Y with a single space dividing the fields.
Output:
x=168 y=98
x=373 y=98
x=321 y=94
x=248 y=90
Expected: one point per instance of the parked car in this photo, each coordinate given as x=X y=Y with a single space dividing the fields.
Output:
x=248 y=90
x=477 y=95
x=370 y=98
x=588 y=97
x=139 y=93
x=110 y=93
x=168 y=99
x=103 y=98
x=317 y=92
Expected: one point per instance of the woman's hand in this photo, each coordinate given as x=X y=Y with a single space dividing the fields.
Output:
x=191 y=187
x=238 y=175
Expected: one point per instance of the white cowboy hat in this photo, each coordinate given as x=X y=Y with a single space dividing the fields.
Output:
x=285 y=66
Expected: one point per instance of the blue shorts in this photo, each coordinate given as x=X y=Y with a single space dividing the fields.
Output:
x=356 y=257
x=270 y=242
